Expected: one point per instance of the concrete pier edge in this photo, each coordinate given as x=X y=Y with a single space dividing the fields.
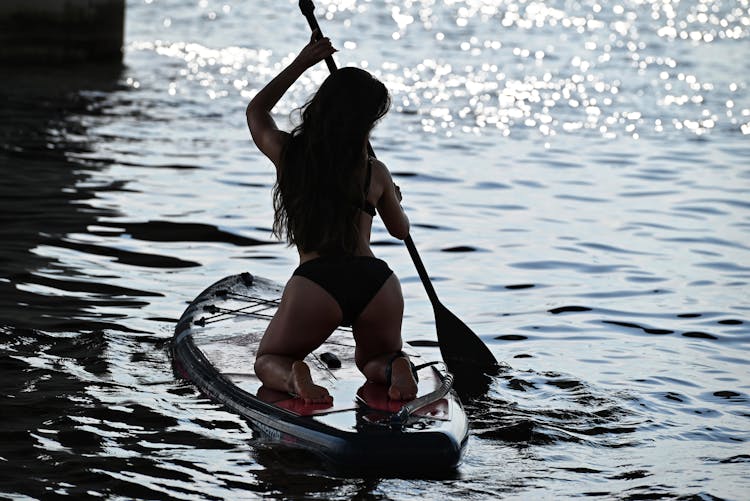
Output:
x=61 y=31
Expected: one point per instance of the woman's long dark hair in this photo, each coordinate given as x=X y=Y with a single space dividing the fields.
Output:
x=319 y=189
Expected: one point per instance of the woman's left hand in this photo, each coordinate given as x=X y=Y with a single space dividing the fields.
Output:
x=316 y=50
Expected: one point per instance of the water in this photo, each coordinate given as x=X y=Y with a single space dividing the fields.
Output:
x=576 y=174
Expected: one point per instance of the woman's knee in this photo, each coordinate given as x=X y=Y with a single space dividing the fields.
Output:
x=261 y=364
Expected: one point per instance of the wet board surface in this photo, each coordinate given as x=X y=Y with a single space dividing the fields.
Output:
x=215 y=344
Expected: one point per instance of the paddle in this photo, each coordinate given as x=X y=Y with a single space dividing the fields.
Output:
x=463 y=352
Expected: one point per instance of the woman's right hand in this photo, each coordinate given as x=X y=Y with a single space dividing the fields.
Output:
x=316 y=50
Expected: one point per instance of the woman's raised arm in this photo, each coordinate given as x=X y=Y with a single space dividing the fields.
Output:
x=267 y=136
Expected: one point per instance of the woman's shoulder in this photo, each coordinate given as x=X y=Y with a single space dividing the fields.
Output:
x=380 y=178
x=379 y=168
x=283 y=140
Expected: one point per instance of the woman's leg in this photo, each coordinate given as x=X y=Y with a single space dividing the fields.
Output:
x=306 y=317
x=377 y=332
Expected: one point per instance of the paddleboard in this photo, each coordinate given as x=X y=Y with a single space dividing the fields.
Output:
x=214 y=347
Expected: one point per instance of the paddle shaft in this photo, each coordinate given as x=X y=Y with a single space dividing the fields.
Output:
x=308 y=10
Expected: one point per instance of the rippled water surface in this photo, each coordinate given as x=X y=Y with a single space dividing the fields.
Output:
x=577 y=178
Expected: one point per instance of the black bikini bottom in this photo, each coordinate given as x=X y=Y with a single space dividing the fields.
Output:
x=352 y=280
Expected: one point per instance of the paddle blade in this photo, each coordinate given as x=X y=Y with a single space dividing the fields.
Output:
x=462 y=350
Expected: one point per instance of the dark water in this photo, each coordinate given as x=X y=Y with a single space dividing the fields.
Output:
x=577 y=178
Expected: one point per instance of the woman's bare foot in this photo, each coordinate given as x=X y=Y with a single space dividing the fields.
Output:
x=403 y=384
x=302 y=385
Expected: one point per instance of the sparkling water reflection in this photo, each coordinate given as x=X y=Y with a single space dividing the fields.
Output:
x=577 y=180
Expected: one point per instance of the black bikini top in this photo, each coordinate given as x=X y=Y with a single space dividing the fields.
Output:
x=367 y=206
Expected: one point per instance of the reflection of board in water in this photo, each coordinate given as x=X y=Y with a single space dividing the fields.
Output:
x=214 y=347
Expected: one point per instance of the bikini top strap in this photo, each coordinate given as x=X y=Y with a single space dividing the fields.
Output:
x=367 y=206
x=368 y=176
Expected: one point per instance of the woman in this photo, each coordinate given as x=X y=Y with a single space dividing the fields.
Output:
x=325 y=197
